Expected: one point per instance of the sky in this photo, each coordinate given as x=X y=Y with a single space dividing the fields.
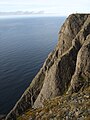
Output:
x=59 y=7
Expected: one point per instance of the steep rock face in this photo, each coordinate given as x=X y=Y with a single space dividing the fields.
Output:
x=64 y=70
x=75 y=104
x=81 y=77
x=59 y=76
x=69 y=30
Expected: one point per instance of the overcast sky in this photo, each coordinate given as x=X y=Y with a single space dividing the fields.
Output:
x=60 y=7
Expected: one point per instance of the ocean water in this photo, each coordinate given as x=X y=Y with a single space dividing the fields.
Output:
x=25 y=43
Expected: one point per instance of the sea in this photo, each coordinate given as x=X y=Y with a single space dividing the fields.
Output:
x=25 y=43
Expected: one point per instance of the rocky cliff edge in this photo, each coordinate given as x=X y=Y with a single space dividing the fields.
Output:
x=65 y=73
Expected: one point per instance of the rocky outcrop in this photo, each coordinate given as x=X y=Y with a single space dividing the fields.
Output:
x=59 y=75
x=81 y=77
x=65 y=71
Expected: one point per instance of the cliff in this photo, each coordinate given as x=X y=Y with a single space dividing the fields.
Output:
x=65 y=73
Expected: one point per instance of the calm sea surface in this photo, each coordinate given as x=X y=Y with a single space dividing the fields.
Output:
x=25 y=43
